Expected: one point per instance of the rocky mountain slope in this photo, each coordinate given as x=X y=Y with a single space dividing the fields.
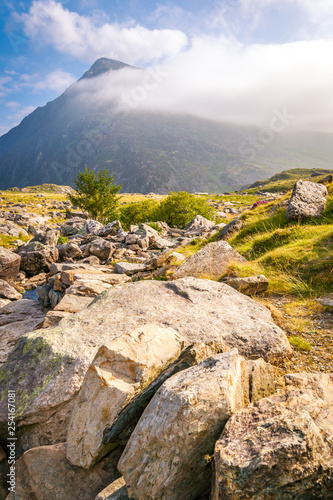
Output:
x=155 y=364
x=147 y=151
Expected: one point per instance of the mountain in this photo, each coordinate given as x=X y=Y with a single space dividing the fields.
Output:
x=147 y=151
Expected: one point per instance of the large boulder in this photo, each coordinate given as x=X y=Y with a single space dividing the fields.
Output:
x=9 y=264
x=249 y=285
x=47 y=366
x=168 y=456
x=17 y=319
x=49 y=237
x=308 y=199
x=44 y=473
x=281 y=446
x=36 y=257
x=119 y=371
x=101 y=248
x=209 y=262
x=230 y=229
x=199 y=222
x=69 y=250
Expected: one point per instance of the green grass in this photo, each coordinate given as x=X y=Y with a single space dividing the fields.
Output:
x=285 y=180
x=300 y=344
x=8 y=241
x=296 y=257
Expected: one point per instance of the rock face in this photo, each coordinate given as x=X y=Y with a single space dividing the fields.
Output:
x=281 y=446
x=307 y=200
x=9 y=264
x=119 y=371
x=230 y=229
x=169 y=453
x=248 y=286
x=211 y=261
x=44 y=473
x=199 y=310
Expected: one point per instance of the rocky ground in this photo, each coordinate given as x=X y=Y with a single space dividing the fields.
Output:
x=139 y=375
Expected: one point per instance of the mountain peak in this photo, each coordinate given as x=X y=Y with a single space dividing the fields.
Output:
x=103 y=65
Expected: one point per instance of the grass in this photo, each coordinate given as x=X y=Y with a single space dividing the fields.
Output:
x=8 y=241
x=300 y=344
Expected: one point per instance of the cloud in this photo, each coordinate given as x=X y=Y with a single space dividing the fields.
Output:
x=56 y=80
x=4 y=89
x=89 y=38
x=18 y=116
x=12 y=104
x=221 y=79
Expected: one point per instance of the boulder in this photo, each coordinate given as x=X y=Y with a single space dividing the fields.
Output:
x=209 y=262
x=199 y=222
x=230 y=229
x=308 y=200
x=47 y=366
x=248 y=286
x=44 y=473
x=102 y=249
x=69 y=251
x=8 y=292
x=52 y=318
x=17 y=319
x=111 y=229
x=119 y=371
x=9 y=264
x=159 y=243
x=49 y=237
x=128 y=268
x=36 y=257
x=73 y=303
x=168 y=456
x=281 y=446
x=93 y=226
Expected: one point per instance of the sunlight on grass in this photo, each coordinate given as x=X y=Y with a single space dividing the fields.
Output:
x=300 y=344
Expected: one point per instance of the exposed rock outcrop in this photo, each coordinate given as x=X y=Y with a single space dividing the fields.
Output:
x=307 y=200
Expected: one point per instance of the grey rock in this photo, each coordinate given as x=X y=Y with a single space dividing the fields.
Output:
x=250 y=285
x=102 y=249
x=281 y=446
x=168 y=455
x=199 y=310
x=9 y=264
x=128 y=268
x=8 y=292
x=209 y=262
x=199 y=222
x=49 y=237
x=69 y=251
x=111 y=229
x=308 y=200
x=36 y=257
x=230 y=229
x=115 y=491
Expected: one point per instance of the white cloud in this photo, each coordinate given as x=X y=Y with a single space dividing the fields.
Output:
x=89 y=38
x=21 y=113
x=4 y=89
x=221 y=79
x=12 y=104
x=56 y=80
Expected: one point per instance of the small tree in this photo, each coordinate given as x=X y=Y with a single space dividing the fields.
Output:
x=141 y=211
x=178 y=209
x=97 y=194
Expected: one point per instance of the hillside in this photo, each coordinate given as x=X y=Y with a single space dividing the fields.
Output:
x=147 y=151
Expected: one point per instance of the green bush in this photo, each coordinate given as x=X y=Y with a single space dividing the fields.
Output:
x=97 y=194
x=178 y=209
x=142 y=211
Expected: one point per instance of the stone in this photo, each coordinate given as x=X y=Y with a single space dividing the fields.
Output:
x=166 y=271
x=199 y=222
x=49 y=237
x=73 y=303
x=250 y=285
x=326 y=300
x=119 y=371
x=8 y=292
x=327 y=180
x=93 y=226
x=69 y=251
x=128 y=268
x=167 y=258
x=55 y=298
x=4 y=302
x=230 y=229
x=44 y=473
x=52 y=318
x=102 y=249
x=199 y=310
x=36 y=257
x=280 y=446
x=115 y=491
x=4 y=470
x=9 y=264
x=16 y=319
x=111 y=229
x=209 y=262
x=308 y=200
x=168 y=455
x=159 y=243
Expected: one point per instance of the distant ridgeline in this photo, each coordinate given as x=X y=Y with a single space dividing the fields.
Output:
x=147 y=151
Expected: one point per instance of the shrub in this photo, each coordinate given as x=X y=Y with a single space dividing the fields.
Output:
x=97 y=194
x=178 y=209
x=142 y=211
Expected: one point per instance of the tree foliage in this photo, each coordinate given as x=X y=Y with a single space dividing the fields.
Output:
x=96 y=193
x=178 y=209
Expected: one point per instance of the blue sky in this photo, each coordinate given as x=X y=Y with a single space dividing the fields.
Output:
x=272 y=53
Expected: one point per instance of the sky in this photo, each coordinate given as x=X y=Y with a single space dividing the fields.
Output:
x=242 y=61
